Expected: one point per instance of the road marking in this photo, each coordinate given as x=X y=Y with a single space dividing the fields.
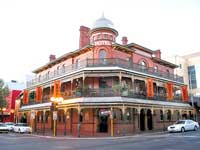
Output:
x=62 y=147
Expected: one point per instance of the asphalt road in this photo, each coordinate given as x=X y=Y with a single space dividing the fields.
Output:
x=159 y=141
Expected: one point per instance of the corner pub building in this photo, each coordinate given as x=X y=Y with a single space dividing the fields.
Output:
x=108 y=89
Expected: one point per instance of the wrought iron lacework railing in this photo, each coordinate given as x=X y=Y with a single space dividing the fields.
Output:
x=108 y=62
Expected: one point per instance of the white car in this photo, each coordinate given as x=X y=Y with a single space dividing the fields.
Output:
x=183 y=125
x=22 y=128
x=10 y=125
x=3 y=128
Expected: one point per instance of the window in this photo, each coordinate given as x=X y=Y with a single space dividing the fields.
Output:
x=155 y=69
x=143 y=65
x=128 y=115
x=58 y=69
x=161 y=115
x=63 y=68
x=39 y=78
x=99 y=36
x=77 y=63
x=111 y=37
x=46 y=117
x=168 y=73
x=102 y=56
x=192 y=77
x=105 y=36
x=169 y=116
x=48 y=74
x=38 y=118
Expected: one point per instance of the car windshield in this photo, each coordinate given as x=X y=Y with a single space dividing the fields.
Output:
x=22 y=124
x=180 y=122
x=9 y=123
x=2 y=125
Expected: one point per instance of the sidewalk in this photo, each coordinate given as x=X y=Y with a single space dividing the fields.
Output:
x=103 y=138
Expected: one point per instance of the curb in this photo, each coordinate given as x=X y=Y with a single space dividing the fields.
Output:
x=99 y=138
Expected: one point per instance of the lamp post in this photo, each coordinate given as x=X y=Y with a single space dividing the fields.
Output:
x=55 y=101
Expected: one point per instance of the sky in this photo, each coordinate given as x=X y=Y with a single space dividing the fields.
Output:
x=31 y=30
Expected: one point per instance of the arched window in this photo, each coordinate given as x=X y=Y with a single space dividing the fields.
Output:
x=48 y=74
x=161 y=115
x=102 y=56
x=58 y=69
x=39 y=78
x=77 y=63
x=155 y=69
x=128 y=114
x=168 y=73
x=63 y=68
x=169 y=116
x=143 y=65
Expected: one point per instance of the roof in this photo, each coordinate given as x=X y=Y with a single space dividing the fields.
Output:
x=163 y=62
x=103 y=23
x=61 y=58
x=140 y=47
x=122 y=47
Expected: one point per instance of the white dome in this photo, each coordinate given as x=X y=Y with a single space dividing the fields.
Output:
x=103 y=23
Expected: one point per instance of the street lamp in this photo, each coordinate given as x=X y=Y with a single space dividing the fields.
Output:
x=55 y=101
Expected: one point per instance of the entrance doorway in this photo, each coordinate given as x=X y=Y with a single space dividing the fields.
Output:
x=103 y=123
x=149 y=120
x=142 y=120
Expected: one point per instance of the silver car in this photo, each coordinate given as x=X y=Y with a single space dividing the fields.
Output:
x=3 y=128
x=183 y=125
x=10 y=125
x=22 y=128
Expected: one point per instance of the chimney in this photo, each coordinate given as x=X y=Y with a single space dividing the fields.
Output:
x=124 y=40
x=158 y=53
x=84 y=36
x=52 y=57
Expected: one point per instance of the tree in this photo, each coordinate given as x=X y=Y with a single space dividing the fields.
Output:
x=4 y=92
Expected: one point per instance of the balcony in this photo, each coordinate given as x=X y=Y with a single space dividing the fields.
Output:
x=112 y=62
x=109 y=92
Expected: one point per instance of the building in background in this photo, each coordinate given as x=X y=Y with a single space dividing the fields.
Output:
x=15 y=89
x=109 y=88
x=189 y=68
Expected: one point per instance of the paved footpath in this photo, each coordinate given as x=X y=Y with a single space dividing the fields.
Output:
x=155 y=141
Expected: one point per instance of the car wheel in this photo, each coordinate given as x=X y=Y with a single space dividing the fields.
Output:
x=195 y=128
x=182 y=129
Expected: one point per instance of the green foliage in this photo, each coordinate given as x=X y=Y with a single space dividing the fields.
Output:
x=85 y=88
x=4 y=92
x=116 y=87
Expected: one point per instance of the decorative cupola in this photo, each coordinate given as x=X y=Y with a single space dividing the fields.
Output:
x=103 y=32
